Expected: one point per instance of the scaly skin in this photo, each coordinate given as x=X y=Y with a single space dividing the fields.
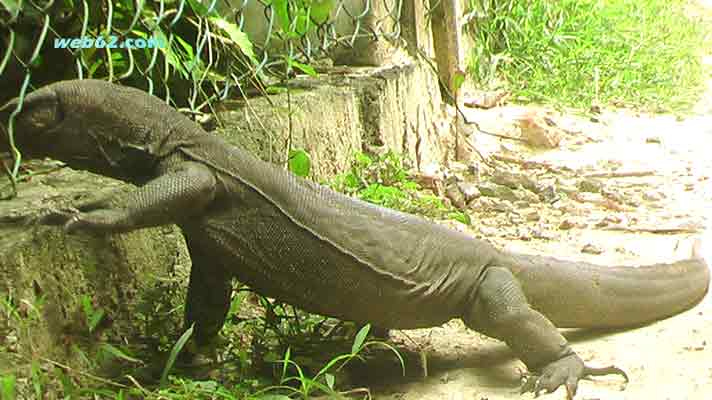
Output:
x=327 y=253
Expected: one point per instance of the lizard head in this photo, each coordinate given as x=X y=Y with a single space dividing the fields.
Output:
x=90 y=125
x=40 y=113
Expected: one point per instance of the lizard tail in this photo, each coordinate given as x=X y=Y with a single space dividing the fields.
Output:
x=584 y=295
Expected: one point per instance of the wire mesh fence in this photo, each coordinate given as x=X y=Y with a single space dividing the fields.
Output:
x=189 y=52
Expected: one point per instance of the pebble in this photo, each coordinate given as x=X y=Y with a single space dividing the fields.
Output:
x=591 y=249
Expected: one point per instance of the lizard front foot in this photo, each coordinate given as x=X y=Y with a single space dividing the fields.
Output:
x=73 y=220
x=566 y=371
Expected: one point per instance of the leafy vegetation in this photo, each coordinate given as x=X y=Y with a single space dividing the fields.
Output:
x=385 y=181
x=274 y=340
x=591 y=52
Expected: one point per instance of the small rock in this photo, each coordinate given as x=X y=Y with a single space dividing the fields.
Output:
x=532 y=216
x=538 y=130
x=457 y=167
x=567 y=224
x=431 y=177
x=590 y=185
x=653 y=139
x=514 y=180
x=457 y=198
x=490 y=189
x=524 y=234
x=653 y=195
x=548 y=194
x=609 y=220
x=526 y=195
x=591 y=249
x=522 y=204
x=469 y=190
x=633 y=201
x=569 y=190
x=614 y=195
x=488 y=231
x=541 y=233
x=503 y=206
x=487 y=99
x=492 y=204
x=475 y=170
x=587 y=197
x=516 y=219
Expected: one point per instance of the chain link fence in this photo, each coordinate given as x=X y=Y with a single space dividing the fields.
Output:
x=191 y=53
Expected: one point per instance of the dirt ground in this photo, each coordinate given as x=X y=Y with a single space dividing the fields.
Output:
x=653 y=218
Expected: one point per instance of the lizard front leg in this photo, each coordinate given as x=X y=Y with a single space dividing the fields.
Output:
x=182 y=191
x=501 y=311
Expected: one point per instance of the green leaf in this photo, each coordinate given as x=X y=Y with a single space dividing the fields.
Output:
x=280 y=8
x=174 y=353
x=92 y=315
x=302 y=25
x=7 y=387
x=285 y=363
x=461 y=217
x=321 y=10
x=329 y=380
x=458 y=78
x=275 y=89
x=68 y=387
x=168 y=52
x=12 y=6
x=118 y=353
x=37 y=375
x=299 y=162
x=307 y=69
x=95 y=319
x=198 y=8
x=360 y=338
x=236 y=35
x=363 y=160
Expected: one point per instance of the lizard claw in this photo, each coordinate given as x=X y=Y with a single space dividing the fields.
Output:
x=564 y=372
x=50 y=216
x=56 y=217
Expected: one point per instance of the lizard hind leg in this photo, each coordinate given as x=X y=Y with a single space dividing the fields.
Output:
x=207 y=304
x=500 y=310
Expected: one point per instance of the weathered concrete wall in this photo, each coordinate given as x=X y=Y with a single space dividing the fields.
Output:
x=135 y=278
x=365 y=109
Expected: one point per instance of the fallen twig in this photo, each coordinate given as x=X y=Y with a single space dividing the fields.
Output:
x=83 y=373
x=671 y=230
x=623 y=174
x=499 y=135
x=529 y=164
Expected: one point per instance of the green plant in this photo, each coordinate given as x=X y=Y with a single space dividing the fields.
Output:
x=323 y=381
x=299 y=162
x=175 y=351
x=7 y=387
x=581 y=53
x=93 y=315
x=385 y=181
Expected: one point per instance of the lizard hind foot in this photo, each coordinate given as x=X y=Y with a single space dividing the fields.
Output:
x=565 y=372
